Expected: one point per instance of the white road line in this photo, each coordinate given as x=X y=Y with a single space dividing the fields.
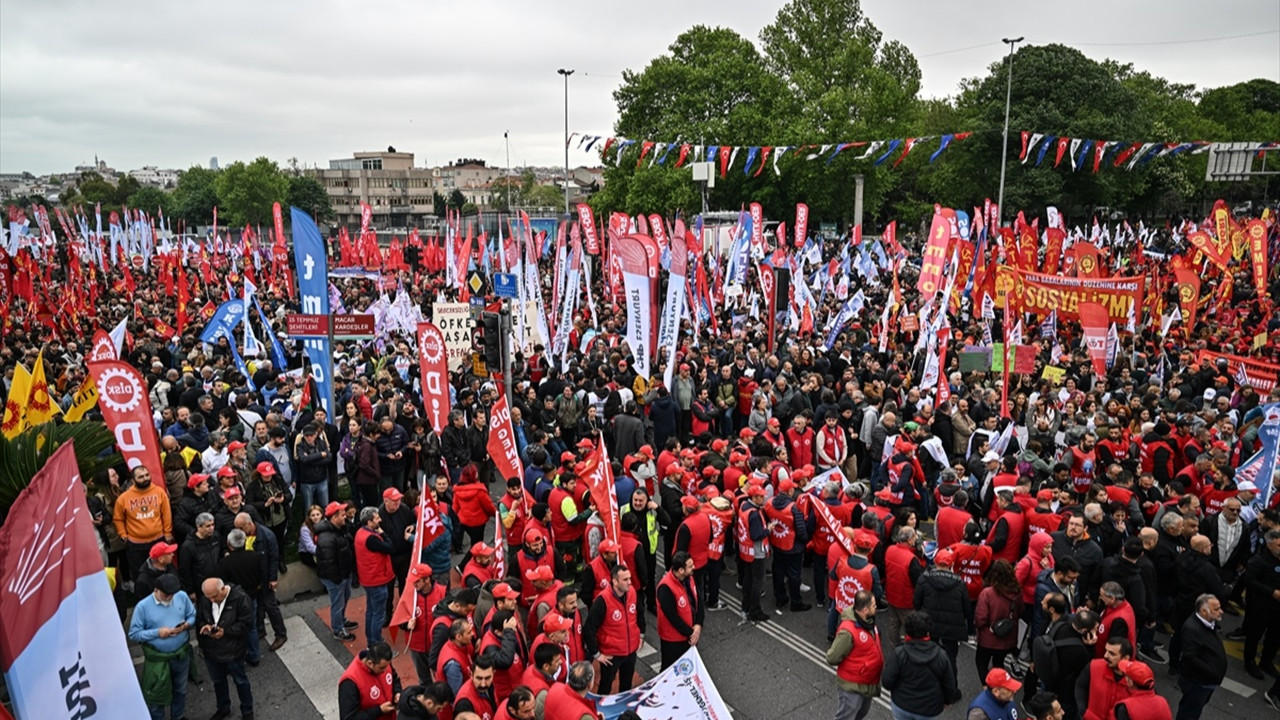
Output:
x=312 y=666
x=1238 y=688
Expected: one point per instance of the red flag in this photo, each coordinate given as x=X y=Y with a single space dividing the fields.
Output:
x=599 y=478
x=433 y=364
x=1087 y=261
x=502 y=441
x=1062 y=148
x=1256 y=232
x=1025 y=135
x=1095 y=321
x=725 y=156
x=122 y=398
x=645 y=147
x=802 y=224
x=1188 y=295
x=1054 y=237
x=684 y=153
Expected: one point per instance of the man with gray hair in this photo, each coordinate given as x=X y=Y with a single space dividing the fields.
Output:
x=374 y=570
x=1204 y=660
x=243 y=567
x=568 y=700
x=215 y=456
x=902 y=570
x=199 y=554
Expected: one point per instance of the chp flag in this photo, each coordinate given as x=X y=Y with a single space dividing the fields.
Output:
x=62 y=647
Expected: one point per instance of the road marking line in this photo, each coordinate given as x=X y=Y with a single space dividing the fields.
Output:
x=312 y=666
x=1238 y=688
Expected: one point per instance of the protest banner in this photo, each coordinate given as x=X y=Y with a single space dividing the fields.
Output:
x=1042 y=294
x=1261 y=376
x=454 y=321
x=684 y=690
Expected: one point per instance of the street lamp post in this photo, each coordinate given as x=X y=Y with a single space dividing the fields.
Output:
x=1004 y=143
x=566 y=74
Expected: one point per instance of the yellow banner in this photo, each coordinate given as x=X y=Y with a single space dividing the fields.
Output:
x=1041 y=294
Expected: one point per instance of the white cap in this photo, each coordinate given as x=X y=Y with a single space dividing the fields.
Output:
x=1210 y=394
x=991 y=456
x=1246 y=486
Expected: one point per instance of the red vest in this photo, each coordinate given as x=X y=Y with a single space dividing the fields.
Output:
x=603 y=575
x=698 y=525
x=1145 y=705
x=684 y=608
x=565 y=704
x=1083 y=469
x=548 y=597
x=451 y=651
x=483 y=573
x=1147 y=456
x=950 y=525
x=516 y=507
x=1119 y=451
x=372 y=568
x=745 y=544
x=503 y=712
x=849 y=580
x=822 y=536
x=527 y=565
x=865 y=660
x=629 y=555
x=374 y=689
x=619 y=634
x=783 y=535
x=898 y=589
x=504 y=681
x=564 y=532
x=1124 y=611
x=480 y=705
x=800 y=447
x=1043 y=521
x=533 y=677
x=1104 y=691
x=1012 y=550
x=420 y=638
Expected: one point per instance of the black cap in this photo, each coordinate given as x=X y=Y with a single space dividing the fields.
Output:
x=168 y=584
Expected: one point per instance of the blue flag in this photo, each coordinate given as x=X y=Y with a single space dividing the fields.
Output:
x=311 y=265
x=226 y=318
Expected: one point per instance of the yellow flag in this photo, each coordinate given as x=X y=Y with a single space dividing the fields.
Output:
x=40 y=407
x=16 y=406
x=86 y=399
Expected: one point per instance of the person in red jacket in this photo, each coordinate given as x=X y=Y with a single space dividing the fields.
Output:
x=532 y=554
x=1101 y=684
x=474 y=507
x=568 y=700
x=427 y=593
x=1008 y=535
x=568 y=521
x=373 y=569
x=596 y=575
x=613 y=632
x=694 y=538
x=477 y=694
x=858 y=658
x=518 y=706
x=1143 y=703
x=953 y=515
x=902 y=569
x=799 y=439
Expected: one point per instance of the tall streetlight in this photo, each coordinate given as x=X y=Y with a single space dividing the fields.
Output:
x=1004 y=145
x=566 y=74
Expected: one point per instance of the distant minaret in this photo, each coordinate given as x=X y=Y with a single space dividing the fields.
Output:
x=213 y=163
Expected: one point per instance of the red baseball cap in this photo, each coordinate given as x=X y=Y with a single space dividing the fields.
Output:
x=944 y=558
x=567 y=456
x=231 y=492
x=392 y=494
x=1000 y=678
x=504 y=591
x=333 y=508
x=195 y=480
x=227 y=471
x=786 y=485
x=755 y=491
x=646 y=450
x=266 y=469
x=690 y=502
x=747 y=433
x=1139 y=672
x=555 y=622
x=542 y=572
x=774 y=422
x=235 y=445
x=162 y=548
x=608 y=546
x=719 y=444
x=481 y=549
x=710 y=471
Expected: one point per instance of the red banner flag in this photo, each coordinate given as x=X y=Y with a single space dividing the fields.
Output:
x=103 y=348
x=502 y=441
x=1256 y=233
x=1218 y=249
x=1054 y=237
x=934 y=259
x=1188 y=296
x=802 y=225
x=1095 y=321
x=433 y=364
x=588 y=222
x=1088 y=264
x=122 y=398
x=598 y=476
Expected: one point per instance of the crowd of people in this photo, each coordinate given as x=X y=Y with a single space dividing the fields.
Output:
x=1081 y=532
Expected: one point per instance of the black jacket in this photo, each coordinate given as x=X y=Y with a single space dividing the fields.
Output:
x=918 y=673
x=943 y=595
x=454 y=447
x=198 y=561
x=244 y=569
x=1129 y=576
x=1165 y=557
x=312 y=466
x=1204 y=659
x=185 y=512
x=1087 y=552
x=1196 y=575
x=335 y=554
x=236 y=621
x=1238 y=557
x=1262 y=573
x=1072 y=660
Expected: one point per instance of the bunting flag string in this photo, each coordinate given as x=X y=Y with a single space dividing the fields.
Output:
x=1117 y=153
x=755 y=158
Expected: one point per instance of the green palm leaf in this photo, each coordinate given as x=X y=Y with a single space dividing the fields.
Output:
x=23 y=456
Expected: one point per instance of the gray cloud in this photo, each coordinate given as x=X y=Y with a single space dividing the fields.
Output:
x=172 y=84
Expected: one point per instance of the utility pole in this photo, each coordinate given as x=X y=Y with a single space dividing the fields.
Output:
x=1004 y=139
x=859 y=183
x=566 y=74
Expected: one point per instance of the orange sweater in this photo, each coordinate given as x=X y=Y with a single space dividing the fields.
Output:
x=141 y=516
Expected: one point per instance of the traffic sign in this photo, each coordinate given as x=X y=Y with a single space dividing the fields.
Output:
x=505 y=285
x=477 y=283
x=353 y=326
x=306 y=326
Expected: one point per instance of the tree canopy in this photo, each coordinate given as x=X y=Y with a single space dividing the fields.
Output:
x=246 y=192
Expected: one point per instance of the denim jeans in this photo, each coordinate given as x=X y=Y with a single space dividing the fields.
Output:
x=254 y=648
x=900 y=714
x=375 y=612
x=178 y=669
x=218 y=673
x=313 y=494
x=339 y=594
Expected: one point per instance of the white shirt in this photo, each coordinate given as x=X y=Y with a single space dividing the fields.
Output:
x=211 y=460
x=217 y=608
x=1228 y=537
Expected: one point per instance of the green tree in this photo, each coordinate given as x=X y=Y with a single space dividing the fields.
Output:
x=151 y=199
x=196 y=196
x=308 y=194
x=248 y=191
x=470 y=208
x=125 y=189
x=457 y=199
x=94 y=189
x=439 y=203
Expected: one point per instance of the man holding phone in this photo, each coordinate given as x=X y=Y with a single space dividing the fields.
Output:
x=160 y=623
x=224 y=619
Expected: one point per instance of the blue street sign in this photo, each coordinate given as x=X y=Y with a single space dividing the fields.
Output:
x=504 y=285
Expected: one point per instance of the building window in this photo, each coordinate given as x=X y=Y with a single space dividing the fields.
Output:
x=371 y=164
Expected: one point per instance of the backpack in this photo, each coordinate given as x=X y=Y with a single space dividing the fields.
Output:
x=1044 y=650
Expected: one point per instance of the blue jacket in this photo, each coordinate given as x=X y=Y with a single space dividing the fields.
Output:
x=437 y=553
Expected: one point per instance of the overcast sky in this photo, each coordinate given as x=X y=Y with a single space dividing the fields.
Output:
x=174 y=83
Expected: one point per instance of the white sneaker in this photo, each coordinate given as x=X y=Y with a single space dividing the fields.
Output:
x=804 y=588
